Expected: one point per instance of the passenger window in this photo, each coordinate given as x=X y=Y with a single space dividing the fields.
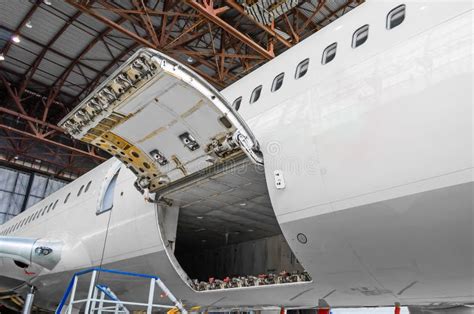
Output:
x=50 y=206
x=396 y=17
x=329 y=53
x=302 y=68
x=108 y=197
x=256 y=94
x=278 y=82
x=54 y=206
x=80 y=190
x=87 y=186
x=236 y=103
x=67 y=198
x=360 y=36
x=43 y=211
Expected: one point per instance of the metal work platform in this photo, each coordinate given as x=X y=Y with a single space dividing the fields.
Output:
x=102 y=299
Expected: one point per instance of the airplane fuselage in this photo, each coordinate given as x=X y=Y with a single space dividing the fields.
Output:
x=376 y=150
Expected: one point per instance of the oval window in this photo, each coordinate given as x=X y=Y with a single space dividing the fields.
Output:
x=329 y=53
x=256 y=94
x=88 y=186
x=360 y=36
x=302 y=68
x=396 y=17
x=236 y=103
x=278 y=82
x=67 y=198
x=80 y=190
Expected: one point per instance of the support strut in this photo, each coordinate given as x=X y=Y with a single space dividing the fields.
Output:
x=30 y=297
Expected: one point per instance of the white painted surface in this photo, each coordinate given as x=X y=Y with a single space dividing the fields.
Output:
x=379 y=147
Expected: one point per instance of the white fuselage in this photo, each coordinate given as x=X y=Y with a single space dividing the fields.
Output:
x=376 y=149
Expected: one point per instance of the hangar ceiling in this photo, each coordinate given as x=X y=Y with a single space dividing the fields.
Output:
x=54 y=52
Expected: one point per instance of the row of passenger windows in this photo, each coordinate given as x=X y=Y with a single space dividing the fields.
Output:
x=43 y=211
x=394 y=18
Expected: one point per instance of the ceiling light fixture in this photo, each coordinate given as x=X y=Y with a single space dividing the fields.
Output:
x=243 y=204
x=190 y=60
x=29 y=25
x=199 y=217
x=16 y=39
x=250 y=230
x=2 y=57
x=47 y=2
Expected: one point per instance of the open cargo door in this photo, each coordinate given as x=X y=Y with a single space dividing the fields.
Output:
x=162 y=121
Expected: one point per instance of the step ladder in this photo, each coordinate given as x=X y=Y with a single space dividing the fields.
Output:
x=102 y=299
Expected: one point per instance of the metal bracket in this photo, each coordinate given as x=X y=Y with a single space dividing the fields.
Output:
x=189 y=141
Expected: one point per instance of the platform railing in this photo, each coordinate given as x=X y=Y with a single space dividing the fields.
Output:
x=101 y=299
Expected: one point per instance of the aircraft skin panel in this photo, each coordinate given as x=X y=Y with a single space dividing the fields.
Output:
x=382 y=226
x=399 y=269
x=83 y=231
x=132 y=116
x=350 y=251
x=374 y=129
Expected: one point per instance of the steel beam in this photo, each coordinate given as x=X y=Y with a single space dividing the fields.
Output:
x=31 y=71
x=25 y=20
x=310 y=18
x=337 y=11
x=210 y=13
x=31 y=119
x=17 y=102
x=267 y=29
x=56 y=51
x=147 y=23
x=114 y=62
x=111 y=24
x=51 y=142
x=63 y=77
